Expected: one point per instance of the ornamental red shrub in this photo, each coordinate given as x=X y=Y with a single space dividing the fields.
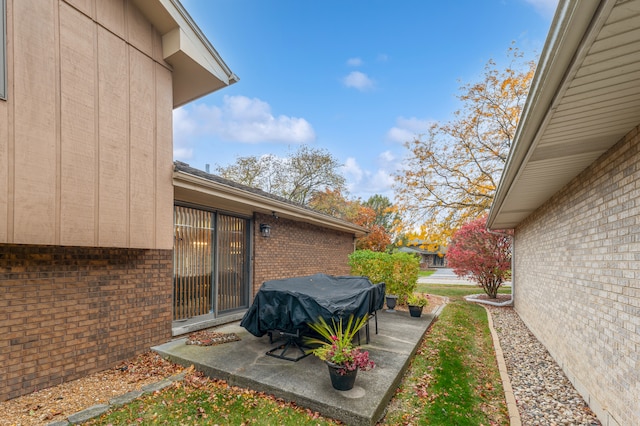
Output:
x=483 y=256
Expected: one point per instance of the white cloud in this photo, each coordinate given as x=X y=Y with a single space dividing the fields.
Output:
x=352 y=170
x=407 y=129
x=382 y=57
x=354 y=62
x=240 y=119
x=545 y=8
x=359 y=81
x=183 y=127
x=381 y=181
x=397 y=134
x=387 y=157
x=182 y=153
x=182 y=122
x=364 y=183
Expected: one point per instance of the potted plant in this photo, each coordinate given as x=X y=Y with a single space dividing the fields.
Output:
x=391 y=300
x=335 y=348
x=416 y=304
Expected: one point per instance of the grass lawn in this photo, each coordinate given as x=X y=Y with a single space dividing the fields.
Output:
x=425 y=273
x=199 y=400
x=453 y=380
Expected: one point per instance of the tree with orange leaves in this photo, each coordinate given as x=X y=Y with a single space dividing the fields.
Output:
x=378 y=238
x=376 y=214
x=332 y=202
x=453 y=171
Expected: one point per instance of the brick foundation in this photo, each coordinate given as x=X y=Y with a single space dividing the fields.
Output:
x=66 y=312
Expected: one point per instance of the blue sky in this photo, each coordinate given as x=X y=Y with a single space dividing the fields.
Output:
x=357 y=78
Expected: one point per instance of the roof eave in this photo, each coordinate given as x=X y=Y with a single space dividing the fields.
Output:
x=261 y=204
x=198 y=69
x=571 y=27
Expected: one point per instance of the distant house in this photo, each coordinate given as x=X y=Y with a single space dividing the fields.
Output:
x=92 y=205
x=571 y=192
x=429 y=259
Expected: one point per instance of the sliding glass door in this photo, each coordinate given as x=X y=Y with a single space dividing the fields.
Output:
x=211 y=263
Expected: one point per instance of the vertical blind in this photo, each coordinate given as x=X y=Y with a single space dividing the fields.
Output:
x=207 y=246
x=232 y=258
x=193 y=262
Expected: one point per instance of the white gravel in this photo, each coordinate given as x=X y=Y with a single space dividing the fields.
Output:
x=544 y=395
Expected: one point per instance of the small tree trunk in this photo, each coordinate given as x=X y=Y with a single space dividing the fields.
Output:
x=491 y=288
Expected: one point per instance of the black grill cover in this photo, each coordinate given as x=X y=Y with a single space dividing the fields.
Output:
x=289 y=304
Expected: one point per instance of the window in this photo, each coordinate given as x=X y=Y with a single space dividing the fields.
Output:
x=3 y=49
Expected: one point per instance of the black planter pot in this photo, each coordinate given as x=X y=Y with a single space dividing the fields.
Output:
x=392 y=299
x=415 y=311
x=341 y=382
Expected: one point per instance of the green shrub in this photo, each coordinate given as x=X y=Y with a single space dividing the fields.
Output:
x=399 y=271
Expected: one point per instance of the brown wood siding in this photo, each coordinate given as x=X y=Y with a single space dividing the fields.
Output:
x=85 y=132
x=77 y=122
x=113 y=133
x=142 y=149
x=4 y=172
x=32 y=96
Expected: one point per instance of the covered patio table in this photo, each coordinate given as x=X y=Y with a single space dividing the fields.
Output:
x=288 y=305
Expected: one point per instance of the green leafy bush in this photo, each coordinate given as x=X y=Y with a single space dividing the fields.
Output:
x=399 y=271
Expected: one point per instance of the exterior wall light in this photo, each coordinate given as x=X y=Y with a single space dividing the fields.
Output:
x=265 y=230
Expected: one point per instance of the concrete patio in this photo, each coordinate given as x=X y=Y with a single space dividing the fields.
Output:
x=306 y=382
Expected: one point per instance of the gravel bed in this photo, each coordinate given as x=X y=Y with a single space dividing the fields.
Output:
x=543 y=393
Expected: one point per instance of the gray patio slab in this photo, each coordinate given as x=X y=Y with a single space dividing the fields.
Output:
x=306 y=382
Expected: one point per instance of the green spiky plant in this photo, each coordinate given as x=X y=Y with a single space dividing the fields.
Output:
x=336 y=344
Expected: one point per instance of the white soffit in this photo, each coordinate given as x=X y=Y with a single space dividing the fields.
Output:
x=593 y=89
x=197 y=68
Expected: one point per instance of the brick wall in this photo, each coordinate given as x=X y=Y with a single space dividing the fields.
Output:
x=577 y=281
x=298 y=249
x=66 y=311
